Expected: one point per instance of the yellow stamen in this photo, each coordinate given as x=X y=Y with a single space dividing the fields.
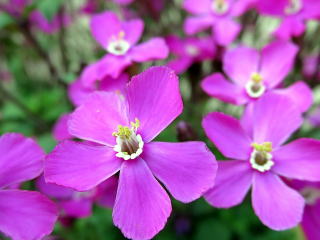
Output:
x=126 y=132
x=264 y=147
x=256 y=78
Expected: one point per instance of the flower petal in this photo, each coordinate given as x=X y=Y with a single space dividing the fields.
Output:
x=179 y=65
x=218 y=87
x=154 y=49
x=275 y=119
x=80 y=166
x=142 y=206
x=21 y=159
x=53 y=190
x=274 y=66
x=299 y=159
x=197 y=6
x=225 y=31
x=228 y=135
x=106 y=192
x=103 y=26
x=186 y=169
x=133 y=30
x=300 y=94
x=60 y=129
x=154 y=98
x=278 y=206
x=196 y=24
x=233 y=182
x=290 y=27
x=240 y=63
x=310 y=222
x=26 y=215
x=77 y=207
x=97 y=118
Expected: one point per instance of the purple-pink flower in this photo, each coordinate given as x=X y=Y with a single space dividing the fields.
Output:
x=253 y=73
x=24 y=215
x=189 y=51
x=293 y=13
x=258 y=159
x=219 y=15
x=119 y=39
x=122 y=128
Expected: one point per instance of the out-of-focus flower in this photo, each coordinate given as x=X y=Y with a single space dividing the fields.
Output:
x=219 y=15
x=261 y=160
x=311 y=66
x=253 y=74
x=122 y=129
x=310 y=222
x=189 y=50
x=25 y=215
x=293 y=13
x=119 y=39
x=90 y=7
x=314 y=117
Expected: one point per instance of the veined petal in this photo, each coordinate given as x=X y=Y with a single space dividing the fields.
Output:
x=80 y=166
x=186 y=169
x=26 y=215
x=299 y=159
x=233 y=182
x=154 y=98
x=228 y=135
x=97 y=118
x=142 y=206
x=21 y=159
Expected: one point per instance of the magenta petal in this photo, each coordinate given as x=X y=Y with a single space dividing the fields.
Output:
x=300 y=93
x=26 y=215
x=278 y=206
x=142 y=206
x=154 y=49
x=240 y=63
x=197 y=24
x=77 y=207
x=226 y=133
x=310 y=222
x=233 y=182
x=290 y=27
x=197 y=6
x=60 y=129
x=180 y=65
x=80 y=166
x=225 y=31
x=299 y=159
x=218 y=87
x=154 y=98
x=274 y=66
x=186 y=169
x=106 y=192
x=97 y=118
x=133 y=30
x=21 y=159
x=275 y=119
x=53 y=190
x=104 y=26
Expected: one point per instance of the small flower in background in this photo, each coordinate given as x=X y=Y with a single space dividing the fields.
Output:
x=22 y=160
x=293 y=13
x=119 y=39
x=314 y=117
x=311 y=192
x=310 y=67
x=255 y=73
x=261 y=159
x=122 y=130
x=189 y=50
x=219 y=15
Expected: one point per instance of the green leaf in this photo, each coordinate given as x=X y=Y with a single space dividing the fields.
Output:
x=5 y=19
x=49 y=8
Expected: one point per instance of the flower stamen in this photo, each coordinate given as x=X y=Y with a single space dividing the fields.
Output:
x=118 y=45
x=255 y=87
x=261 y=157
x=293 y=7
x=220 y=6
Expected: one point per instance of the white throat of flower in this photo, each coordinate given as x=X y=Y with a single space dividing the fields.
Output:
x=129 y=143
x=192 y=50
x=220 y=6
x=293 y=7
x=255 y=87
x=311 y=195
x=261 y=158
x=118 y=45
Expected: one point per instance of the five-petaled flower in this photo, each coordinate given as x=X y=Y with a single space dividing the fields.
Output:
x=122 y=128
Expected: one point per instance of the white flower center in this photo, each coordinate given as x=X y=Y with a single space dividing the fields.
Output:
x=261 y=158
x=220 y=6
x=118 y=45
x=192 y=50
x=311 y=195
x=129 y=143
x=255 y=87
x=293 y=7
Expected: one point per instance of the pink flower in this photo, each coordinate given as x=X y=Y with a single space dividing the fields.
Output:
x=311 y=192
x=255 y=73
x=260 y=160
x=119 y=39
x=189 y=50
x=122 y=129
x=310 y=67
x=293 y=13
x=25 y=215
x=219 y=15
